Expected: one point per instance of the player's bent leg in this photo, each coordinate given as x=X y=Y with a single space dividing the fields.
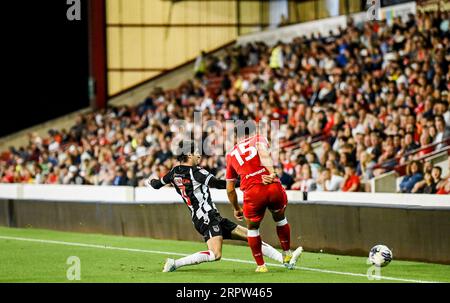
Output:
x=197 y=258
x=284 y=235
x=214 y=253
x=240 y=233
x=215 y=246
x=271 y=252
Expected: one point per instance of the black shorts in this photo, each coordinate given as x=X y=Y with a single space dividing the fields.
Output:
x=217 y=227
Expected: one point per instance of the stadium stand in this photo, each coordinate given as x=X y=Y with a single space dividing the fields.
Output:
x=364 y=102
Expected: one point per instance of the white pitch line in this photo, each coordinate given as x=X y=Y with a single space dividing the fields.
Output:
x=180 y=254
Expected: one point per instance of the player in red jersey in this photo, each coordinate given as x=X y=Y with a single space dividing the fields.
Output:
x=250 y=160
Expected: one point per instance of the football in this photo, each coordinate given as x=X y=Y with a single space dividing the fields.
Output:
x=380 y=255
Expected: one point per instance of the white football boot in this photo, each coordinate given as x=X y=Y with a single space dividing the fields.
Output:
x=295 y=256
x=169 y=266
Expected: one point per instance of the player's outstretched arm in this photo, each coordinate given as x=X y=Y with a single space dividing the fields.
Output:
x=157 y=184
x=217 y=183
x=203 y=176
x=154 y=183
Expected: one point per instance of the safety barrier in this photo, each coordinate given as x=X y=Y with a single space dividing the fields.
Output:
x=143 y=195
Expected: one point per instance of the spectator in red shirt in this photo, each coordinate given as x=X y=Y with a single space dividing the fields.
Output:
x=330 y=121
x=9 y=175
x=443 y=187
x=351 y=180
x=52 y=177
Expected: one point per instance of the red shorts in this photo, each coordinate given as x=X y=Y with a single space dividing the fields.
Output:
x=260 y=196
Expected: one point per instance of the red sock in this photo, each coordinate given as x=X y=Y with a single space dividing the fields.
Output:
x=284 y=234
x=255 y=244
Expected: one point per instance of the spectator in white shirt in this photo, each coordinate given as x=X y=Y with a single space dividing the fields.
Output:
x=329 y=180
x=306 y=183
x=443 y=132
x=335 y=182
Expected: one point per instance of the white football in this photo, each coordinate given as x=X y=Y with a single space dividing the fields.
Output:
x=380 y=255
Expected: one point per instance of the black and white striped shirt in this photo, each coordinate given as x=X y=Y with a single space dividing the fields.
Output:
x=192 y=184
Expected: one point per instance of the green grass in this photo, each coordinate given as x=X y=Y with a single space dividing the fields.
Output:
x=24 y=261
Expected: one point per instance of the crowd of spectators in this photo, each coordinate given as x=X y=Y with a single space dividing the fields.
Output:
x=374 y=95
x=427 y=179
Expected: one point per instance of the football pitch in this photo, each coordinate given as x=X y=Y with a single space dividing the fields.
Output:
x=32 y=255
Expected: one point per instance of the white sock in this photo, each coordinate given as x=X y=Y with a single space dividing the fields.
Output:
x=282 y=222
x=271 y=252
x=197 y=258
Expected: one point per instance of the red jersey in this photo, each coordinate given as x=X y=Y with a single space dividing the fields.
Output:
x=350 y=182
x=244 y=161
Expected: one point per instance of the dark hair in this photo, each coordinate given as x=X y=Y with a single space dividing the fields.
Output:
x=438 y=168
x=419 y=166
x=325 y=169
x=439 y=117
x=185 y=148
